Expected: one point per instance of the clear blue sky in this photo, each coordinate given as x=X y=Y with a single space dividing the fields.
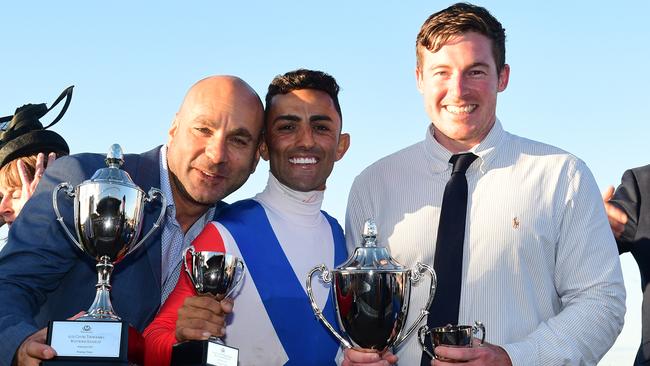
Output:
x=579 y=74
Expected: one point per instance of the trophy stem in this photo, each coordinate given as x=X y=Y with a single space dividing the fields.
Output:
x=102 y=309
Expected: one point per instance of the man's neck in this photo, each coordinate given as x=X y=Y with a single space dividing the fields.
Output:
x=298 y=207
x=456 y=146
x=187 y=212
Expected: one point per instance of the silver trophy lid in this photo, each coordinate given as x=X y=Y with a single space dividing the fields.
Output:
x=369 y=256
x=112 y=173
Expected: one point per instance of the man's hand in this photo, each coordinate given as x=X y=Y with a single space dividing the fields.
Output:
x=484 y=354
x=354 y=358
x=201 y=317
x=617 y=218
x=33 y=349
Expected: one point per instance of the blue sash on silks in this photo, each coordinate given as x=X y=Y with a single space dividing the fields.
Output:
x=305 y=340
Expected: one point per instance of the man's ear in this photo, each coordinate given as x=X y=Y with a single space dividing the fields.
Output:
x=343 y=146
x=504 y=76
x=256 y=160
x=263 y=149
x=173 y=129
x=418 y=79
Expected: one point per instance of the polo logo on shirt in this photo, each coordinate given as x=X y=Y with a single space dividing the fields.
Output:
x=515 y=223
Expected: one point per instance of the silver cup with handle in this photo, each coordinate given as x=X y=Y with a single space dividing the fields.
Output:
x=215 y=274
x=108 y=217
x=371 y=292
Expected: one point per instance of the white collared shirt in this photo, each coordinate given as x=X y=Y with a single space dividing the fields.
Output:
x=540 y=264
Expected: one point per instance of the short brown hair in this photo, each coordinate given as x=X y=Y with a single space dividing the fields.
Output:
x=457 y=19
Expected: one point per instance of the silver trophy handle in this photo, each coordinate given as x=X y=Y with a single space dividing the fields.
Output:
x=191 y=250
x=151 y=195
x=242 y=271
x=479 y=327
x=422 y=333
x=326 y=276
x=55 y=198
x=415 y=277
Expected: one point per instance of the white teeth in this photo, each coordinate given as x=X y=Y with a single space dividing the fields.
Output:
x=208 y=174
x=461 y=109
x=302 y=160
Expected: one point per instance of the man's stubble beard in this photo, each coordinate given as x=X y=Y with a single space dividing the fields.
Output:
x=182 y=191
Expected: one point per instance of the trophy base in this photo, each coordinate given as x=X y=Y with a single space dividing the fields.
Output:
x=203 y=353
x=82 y=363
x=94 y=343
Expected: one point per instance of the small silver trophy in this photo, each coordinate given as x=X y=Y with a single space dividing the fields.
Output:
x=372 y=292
x=216 y=274
x=108 y=213
x=451 y=336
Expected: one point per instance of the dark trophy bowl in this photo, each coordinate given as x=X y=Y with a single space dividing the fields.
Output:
x=371 y=296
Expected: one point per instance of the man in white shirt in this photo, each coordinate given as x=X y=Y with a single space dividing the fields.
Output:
x=539 y=264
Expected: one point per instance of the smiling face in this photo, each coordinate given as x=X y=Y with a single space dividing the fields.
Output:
x=459 y=84
x=303 y=139
x=212 y=146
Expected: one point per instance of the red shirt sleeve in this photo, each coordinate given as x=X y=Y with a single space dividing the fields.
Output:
x=136 y=346
x=160 y=335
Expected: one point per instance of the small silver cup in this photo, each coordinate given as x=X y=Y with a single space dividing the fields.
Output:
x=451 y=336
x=213 y=273
x=107 y=219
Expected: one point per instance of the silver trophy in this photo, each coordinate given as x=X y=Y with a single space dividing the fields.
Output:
x=213 y=273
x=216 y=274
x=450 y=336
x=371 y=294
x=108 y=220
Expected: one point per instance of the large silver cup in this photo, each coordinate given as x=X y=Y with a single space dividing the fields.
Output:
x=213 y=273
x=371 y=296
x=108 y=220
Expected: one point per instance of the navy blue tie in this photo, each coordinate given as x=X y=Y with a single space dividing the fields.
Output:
x=448 y=261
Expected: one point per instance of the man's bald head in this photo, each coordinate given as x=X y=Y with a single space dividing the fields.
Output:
x=225 y=89
x=212 y=145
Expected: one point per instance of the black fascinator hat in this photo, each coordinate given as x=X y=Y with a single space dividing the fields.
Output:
x=22 y=134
